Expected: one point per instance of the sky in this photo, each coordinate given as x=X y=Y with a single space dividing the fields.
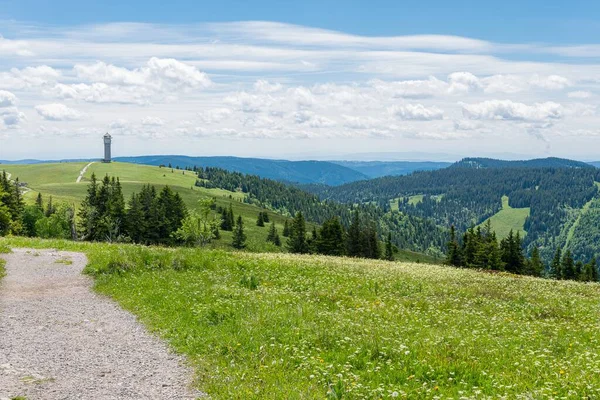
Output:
x=300 y=80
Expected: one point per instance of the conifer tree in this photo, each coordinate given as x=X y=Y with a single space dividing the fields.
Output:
x=555 y=265
x=297 y=241
x=330 y=240
x=389 y=250
x=260 y=221
x=273 y=236
x=354 y=236
x=239 y=237
x=39 y=202
x=567 y=266
x=266 y=217
x=286 y=229
x=453 y=256
x=536 y=266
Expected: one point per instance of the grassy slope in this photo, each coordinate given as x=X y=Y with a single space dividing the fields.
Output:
x=315 y=326
x=509 y=218
x=59 y=181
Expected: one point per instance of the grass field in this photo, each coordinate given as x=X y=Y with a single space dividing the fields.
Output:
x=509 y=219
x=273 y=326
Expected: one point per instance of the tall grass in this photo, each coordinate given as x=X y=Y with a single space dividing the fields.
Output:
x=275 y=326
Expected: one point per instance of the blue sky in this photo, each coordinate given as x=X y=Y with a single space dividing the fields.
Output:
x=555 y=21
x=310 y=79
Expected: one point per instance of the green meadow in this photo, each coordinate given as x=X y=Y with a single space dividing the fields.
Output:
x=273 y=326
x=509 y=219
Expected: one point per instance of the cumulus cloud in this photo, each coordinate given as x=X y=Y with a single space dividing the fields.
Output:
x=214 y=115
x=363 y=122
x=463 y=82
x=313 y=120
x=28 y=77
x=510 y=110
x=246 y=102
x=416 y=112
x=158 y=73
x=7 y=99
x=264 y=86
x=152 y=121
x=412 y=89
x=11 y=117
x=101 y=93
x=58 y=112
x=579 y=94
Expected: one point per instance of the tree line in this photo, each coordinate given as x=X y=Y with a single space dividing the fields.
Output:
x=479 y=248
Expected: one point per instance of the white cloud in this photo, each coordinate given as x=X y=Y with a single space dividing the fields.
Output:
x=551 y=82
x=416 y=112
x=249 y=103
x=152 y=121
x=264 y=86
x=412 y=89
x=580 y=94
x=28 y=77
x=214 y=115
x=58 y=112
x=354 y=122
x=11 y=117
x=509 y=110
x=7 y=99
x=463 y=82
x=313 y=120
x=158 y=73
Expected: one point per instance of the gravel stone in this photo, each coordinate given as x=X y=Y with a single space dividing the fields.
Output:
x=61 y=340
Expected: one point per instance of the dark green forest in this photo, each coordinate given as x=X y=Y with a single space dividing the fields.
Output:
x=466 y=194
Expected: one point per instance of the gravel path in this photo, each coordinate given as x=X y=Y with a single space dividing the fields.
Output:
x=60 y=340
x=82 y=172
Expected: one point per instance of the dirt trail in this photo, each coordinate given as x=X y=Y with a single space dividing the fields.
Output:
x=60 y=340
x=82 y=172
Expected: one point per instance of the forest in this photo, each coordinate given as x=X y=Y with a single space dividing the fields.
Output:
x=465 y=196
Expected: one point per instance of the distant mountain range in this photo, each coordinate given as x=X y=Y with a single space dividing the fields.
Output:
x=551 y=162
x=376 y=169
x=331 y=173
x=322 y=172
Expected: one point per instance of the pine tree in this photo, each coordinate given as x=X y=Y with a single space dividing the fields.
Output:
x=354 y=237
x=331 y=238
x=568 y=266
x=273 y=236
x=39 y=202
x=266 y=217
x=555 y=266
x=453 y=256
x=389 y=250
x=536 y=266
x=286 y=229
x=260 y=221
x=50 y=209
x=297 y=241
x=239 y=237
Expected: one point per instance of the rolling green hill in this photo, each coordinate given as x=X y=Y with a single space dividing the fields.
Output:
x=59 y=180
x=509 y=219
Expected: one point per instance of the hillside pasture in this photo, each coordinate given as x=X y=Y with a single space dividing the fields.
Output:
x=508 y=219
